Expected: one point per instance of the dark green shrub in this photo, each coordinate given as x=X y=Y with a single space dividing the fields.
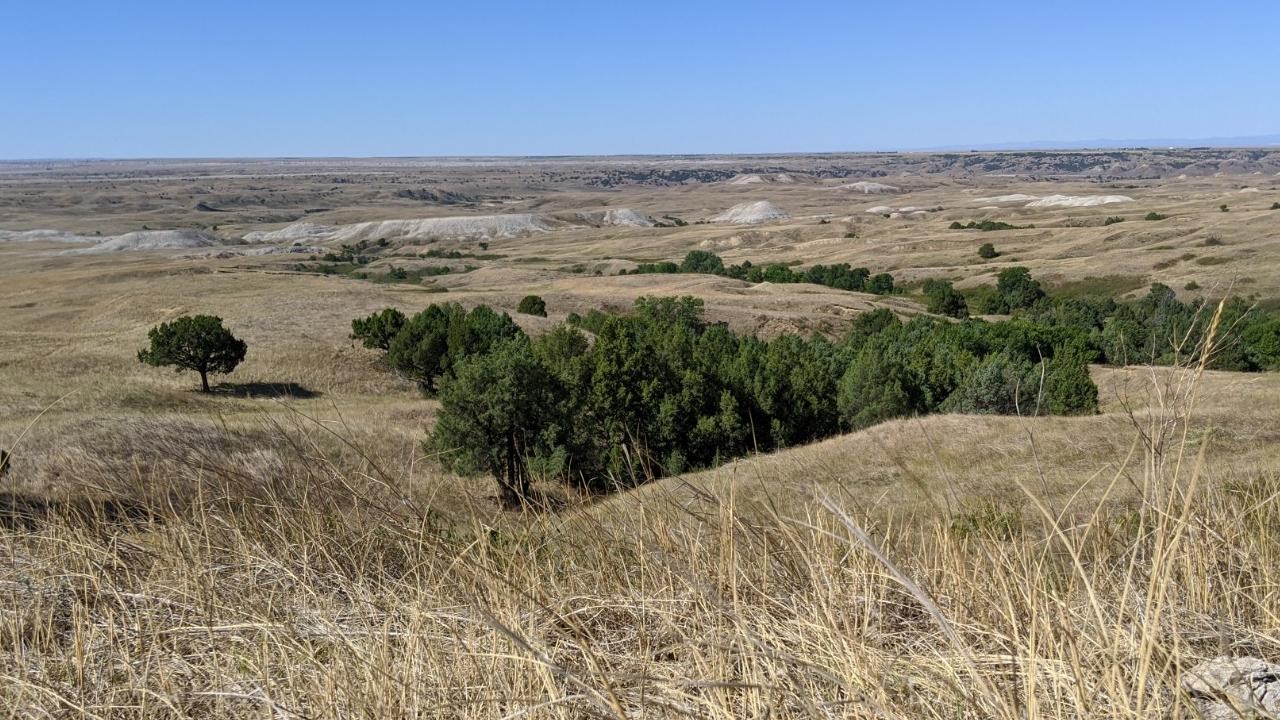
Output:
x=1154 y=216
x=379 y=329
x=942 y=298
x=1017 y=288
x=880 y=284
x=1067 y=388
x=1113 y=220
x=701 y=261
x=1262 y=343
x=532 y=305
x=987 y=251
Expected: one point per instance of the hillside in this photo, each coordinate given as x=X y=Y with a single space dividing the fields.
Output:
x=288 y=544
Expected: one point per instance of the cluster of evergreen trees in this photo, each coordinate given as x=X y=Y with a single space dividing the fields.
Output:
x=608 y=399
x=658 y=390
x=988 y=226
x=839 y=276
x=1159 y=329
x=430 y=344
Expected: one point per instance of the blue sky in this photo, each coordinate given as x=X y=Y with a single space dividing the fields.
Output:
x=177 y=78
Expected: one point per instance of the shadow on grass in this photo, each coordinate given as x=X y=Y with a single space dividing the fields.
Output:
x=30 y=512
x=265 y=390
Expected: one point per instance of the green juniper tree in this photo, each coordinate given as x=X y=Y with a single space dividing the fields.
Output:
x=944 y=299
x=496 y=409
x=198 y=343
x=379 y=329
x=532 y=305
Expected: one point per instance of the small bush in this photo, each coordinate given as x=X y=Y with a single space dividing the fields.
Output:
x=1154 y=216
x=987 y=251
x=1191 y=285
x=1113 y=220
x=532 y=305
x=701 y=261
x=1224 y=208
x=1275 y=206
x=1212 y=241
x=992 y=520
x=880 y=284
x=1211 y=260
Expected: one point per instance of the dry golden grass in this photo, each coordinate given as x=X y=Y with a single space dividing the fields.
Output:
x=942 y=568
x=284 y=548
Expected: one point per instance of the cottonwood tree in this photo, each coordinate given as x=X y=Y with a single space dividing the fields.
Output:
x=198 y=343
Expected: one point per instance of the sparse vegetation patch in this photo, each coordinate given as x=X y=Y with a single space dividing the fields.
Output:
x=839 y=276
x=988 y=226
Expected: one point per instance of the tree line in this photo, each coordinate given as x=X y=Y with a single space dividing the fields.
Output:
x=622 y=398
x=839 y=276
x=1158 y=329
x=611 y=399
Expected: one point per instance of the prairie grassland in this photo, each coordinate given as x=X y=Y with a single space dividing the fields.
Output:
x=284 y=548
x=945 y=567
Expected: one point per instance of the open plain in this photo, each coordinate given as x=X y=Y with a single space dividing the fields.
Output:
x=285 y=546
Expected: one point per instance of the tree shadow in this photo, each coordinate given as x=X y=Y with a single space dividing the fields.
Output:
x=255 y=390
x=30 y=512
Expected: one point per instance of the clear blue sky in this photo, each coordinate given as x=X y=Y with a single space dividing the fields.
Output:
x=184 y=78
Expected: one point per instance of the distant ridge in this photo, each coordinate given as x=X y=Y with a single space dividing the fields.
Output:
x=1107 y=144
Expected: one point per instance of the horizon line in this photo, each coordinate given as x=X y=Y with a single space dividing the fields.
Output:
x=1066 y=147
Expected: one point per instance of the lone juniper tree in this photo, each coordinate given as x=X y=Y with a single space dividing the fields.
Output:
x=198 y=343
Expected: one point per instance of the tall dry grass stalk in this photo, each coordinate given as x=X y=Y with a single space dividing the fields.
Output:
x=284 y=574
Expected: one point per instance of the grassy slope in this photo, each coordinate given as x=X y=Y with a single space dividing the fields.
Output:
x=289 y=574
x=303 y=558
